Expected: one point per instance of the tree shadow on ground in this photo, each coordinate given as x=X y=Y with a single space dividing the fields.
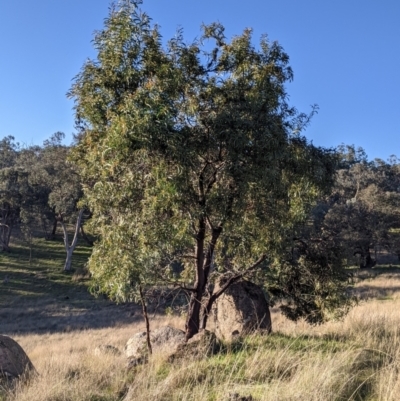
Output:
x=44 y=314
x=39 y=297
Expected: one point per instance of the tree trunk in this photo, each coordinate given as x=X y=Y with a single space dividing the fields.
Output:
x=146 y=319
x=54 y=230
x=203 y=266
x=193 y=319
x=5 y=237
x=68 y=260
x=367 y=261
x=70 y=248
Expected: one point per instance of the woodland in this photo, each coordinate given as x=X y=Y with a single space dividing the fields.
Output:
x=188 y=165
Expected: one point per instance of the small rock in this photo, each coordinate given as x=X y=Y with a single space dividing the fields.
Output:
x=136 y=345
x=201 y=345
x=133 y=362
x=107 y=349
x=164 y=339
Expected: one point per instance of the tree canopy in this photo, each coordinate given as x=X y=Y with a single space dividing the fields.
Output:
x=191 y=153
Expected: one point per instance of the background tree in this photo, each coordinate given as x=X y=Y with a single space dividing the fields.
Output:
x=190 y=155
x=39 y=189
x=11 y=179
x=364 y=206
x=64 y=191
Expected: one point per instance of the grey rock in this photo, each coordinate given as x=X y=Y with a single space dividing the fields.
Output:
x=133 y=362
x=14 y=362
x=136 y=345
x=105 y=349
x=241 y=310
x=164 y=339
x=201 y=345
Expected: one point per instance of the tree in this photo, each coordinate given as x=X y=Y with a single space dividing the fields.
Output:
x=190 y=155
x=365 y=206
x=69 y=248
x=51 y=192
x=11 y=179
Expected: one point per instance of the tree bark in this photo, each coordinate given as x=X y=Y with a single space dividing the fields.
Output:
x=203 y=266
x=367 y=261
x=146 y=319
x=193 y=319
x=54 y=230
x=70 y=248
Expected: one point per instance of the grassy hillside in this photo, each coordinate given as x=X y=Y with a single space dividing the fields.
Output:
x=37 y=296
x=59 y=324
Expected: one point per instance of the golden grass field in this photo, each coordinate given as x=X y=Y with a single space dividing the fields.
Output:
x=354 y=359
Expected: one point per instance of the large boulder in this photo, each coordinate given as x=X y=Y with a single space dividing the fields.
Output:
x=13 y=360
x=163 y=340
x=240 y=310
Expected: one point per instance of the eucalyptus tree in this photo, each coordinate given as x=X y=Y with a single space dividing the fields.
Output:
x=52 y=191
x=64 y=190
x=10 y=185
x=190 y=153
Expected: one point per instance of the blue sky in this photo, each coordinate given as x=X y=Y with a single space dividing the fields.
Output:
x=345 y=56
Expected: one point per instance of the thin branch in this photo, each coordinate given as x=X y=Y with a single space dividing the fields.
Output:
x=201 y=182
x=210 y=226
x=230 y=281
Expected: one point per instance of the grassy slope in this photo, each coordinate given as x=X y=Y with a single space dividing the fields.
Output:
x=45 y=310
x=43 y=275
x=37 y=296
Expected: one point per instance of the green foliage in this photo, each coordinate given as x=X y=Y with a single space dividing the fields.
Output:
x=38 y=186
x=363 y=209
x=189 y=155
x=311 y=282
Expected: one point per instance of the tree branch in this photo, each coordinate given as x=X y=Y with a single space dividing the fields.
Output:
x=231 y=280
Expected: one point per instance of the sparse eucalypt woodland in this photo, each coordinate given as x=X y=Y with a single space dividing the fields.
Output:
x=190 y=153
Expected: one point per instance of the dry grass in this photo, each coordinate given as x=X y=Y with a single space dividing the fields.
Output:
x=69 y=369
x=354 y=359
x=59 y=325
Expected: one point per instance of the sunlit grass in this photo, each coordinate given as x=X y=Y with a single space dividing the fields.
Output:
x=59 y=325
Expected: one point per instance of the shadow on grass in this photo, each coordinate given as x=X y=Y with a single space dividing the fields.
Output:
x=376 y=292
x=36 y=296
x=65 y=315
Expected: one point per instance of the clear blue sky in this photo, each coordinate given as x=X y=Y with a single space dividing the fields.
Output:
x=345 y=55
